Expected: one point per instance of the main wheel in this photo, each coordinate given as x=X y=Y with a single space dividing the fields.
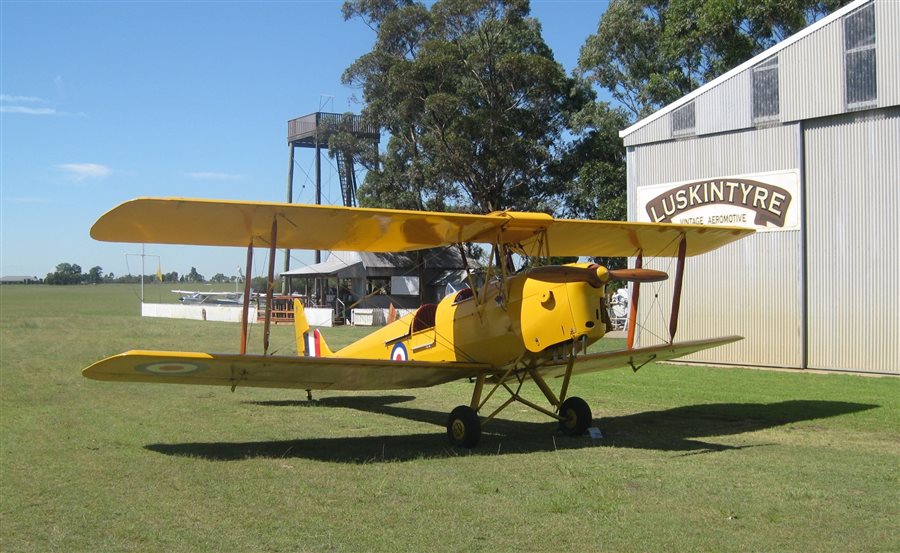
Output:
x=464 y=427
x=575 y=416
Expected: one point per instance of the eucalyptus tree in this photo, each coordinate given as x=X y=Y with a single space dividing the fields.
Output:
x=473 y=101
x=649 y=53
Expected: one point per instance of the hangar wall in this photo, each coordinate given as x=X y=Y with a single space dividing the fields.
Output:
x=750 y=287
x=826 y=293
x=853 y=167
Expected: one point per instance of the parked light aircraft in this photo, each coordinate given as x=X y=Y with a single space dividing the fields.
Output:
x=194 y=297
x=532 y=326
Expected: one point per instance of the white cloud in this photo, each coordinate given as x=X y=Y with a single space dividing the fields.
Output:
x=29 y=111
x=214 y=175
x=83 y=171
x=14 y=104
x=20 y=99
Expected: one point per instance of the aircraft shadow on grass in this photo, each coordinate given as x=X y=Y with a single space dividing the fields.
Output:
x=679 y=430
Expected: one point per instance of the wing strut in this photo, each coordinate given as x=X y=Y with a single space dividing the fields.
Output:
x=469 y=279
x=245 y=310
x=568 y=376
x=270 y=285
x=633 y=304
x=676 y=297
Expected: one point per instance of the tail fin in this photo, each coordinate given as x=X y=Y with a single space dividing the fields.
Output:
x=311 y=344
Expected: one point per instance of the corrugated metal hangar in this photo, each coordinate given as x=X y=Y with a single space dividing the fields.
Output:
x=802 y=142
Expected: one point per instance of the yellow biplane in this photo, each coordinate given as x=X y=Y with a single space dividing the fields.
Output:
x=535 y=325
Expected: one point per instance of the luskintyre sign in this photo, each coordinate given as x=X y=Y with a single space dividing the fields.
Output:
x=762 y=201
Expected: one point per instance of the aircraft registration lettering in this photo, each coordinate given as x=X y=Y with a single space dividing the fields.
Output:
x=167 y=368
x=399 y=353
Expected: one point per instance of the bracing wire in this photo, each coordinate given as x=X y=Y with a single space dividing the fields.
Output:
x=656 y=305
x=255 y=270
x=134 y=288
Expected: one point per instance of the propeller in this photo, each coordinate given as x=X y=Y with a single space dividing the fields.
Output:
x=638 y=275
x=595 y=275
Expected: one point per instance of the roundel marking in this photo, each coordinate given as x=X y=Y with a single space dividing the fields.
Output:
x=399 y=353
x=171 y=367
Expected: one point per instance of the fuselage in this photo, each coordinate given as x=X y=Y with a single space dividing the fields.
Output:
x=498 y=325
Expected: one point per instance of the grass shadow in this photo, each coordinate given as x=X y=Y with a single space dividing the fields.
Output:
x=679 y=429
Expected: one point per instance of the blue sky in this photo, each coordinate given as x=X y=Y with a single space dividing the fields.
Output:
x=101 y=102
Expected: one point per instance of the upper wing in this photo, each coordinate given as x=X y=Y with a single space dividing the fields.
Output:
x=266 y=371
x=634 y=358
x=233 y=223
x=313 y=227
x=624 y=239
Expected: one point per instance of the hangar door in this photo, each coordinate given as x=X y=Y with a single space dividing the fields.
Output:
x=853 y=241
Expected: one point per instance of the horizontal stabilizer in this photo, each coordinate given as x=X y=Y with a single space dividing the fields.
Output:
x=268 y=371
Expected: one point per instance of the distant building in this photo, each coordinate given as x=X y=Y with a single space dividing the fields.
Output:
x=801 y=142
x=377 y=280
x=19 y=280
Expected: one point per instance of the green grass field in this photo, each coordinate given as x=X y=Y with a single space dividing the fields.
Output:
x=692 y=458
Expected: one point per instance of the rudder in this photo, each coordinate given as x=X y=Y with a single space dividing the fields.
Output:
x=311 y=344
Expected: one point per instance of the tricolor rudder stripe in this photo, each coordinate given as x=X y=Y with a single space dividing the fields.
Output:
x=311 y=344
x=309 y=340
x=314 y=344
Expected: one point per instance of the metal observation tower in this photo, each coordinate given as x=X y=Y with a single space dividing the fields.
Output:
x=314 y=131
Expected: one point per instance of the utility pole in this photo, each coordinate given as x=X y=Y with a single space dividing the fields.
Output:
x=290 y=199
x=142 y=255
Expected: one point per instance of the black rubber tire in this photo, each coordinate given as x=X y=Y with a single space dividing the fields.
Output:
x=464 y=427
x=576 y=416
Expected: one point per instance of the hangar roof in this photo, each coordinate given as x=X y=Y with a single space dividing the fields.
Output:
x=796 y=37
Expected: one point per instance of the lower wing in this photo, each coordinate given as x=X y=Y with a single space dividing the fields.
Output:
x=337 y=373
x=267 y=371
x=634 y=358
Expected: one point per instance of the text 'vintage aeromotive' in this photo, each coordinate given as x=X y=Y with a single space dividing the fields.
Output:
x=535 y=325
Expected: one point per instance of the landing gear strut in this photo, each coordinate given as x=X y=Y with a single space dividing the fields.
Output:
x=573 y=413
